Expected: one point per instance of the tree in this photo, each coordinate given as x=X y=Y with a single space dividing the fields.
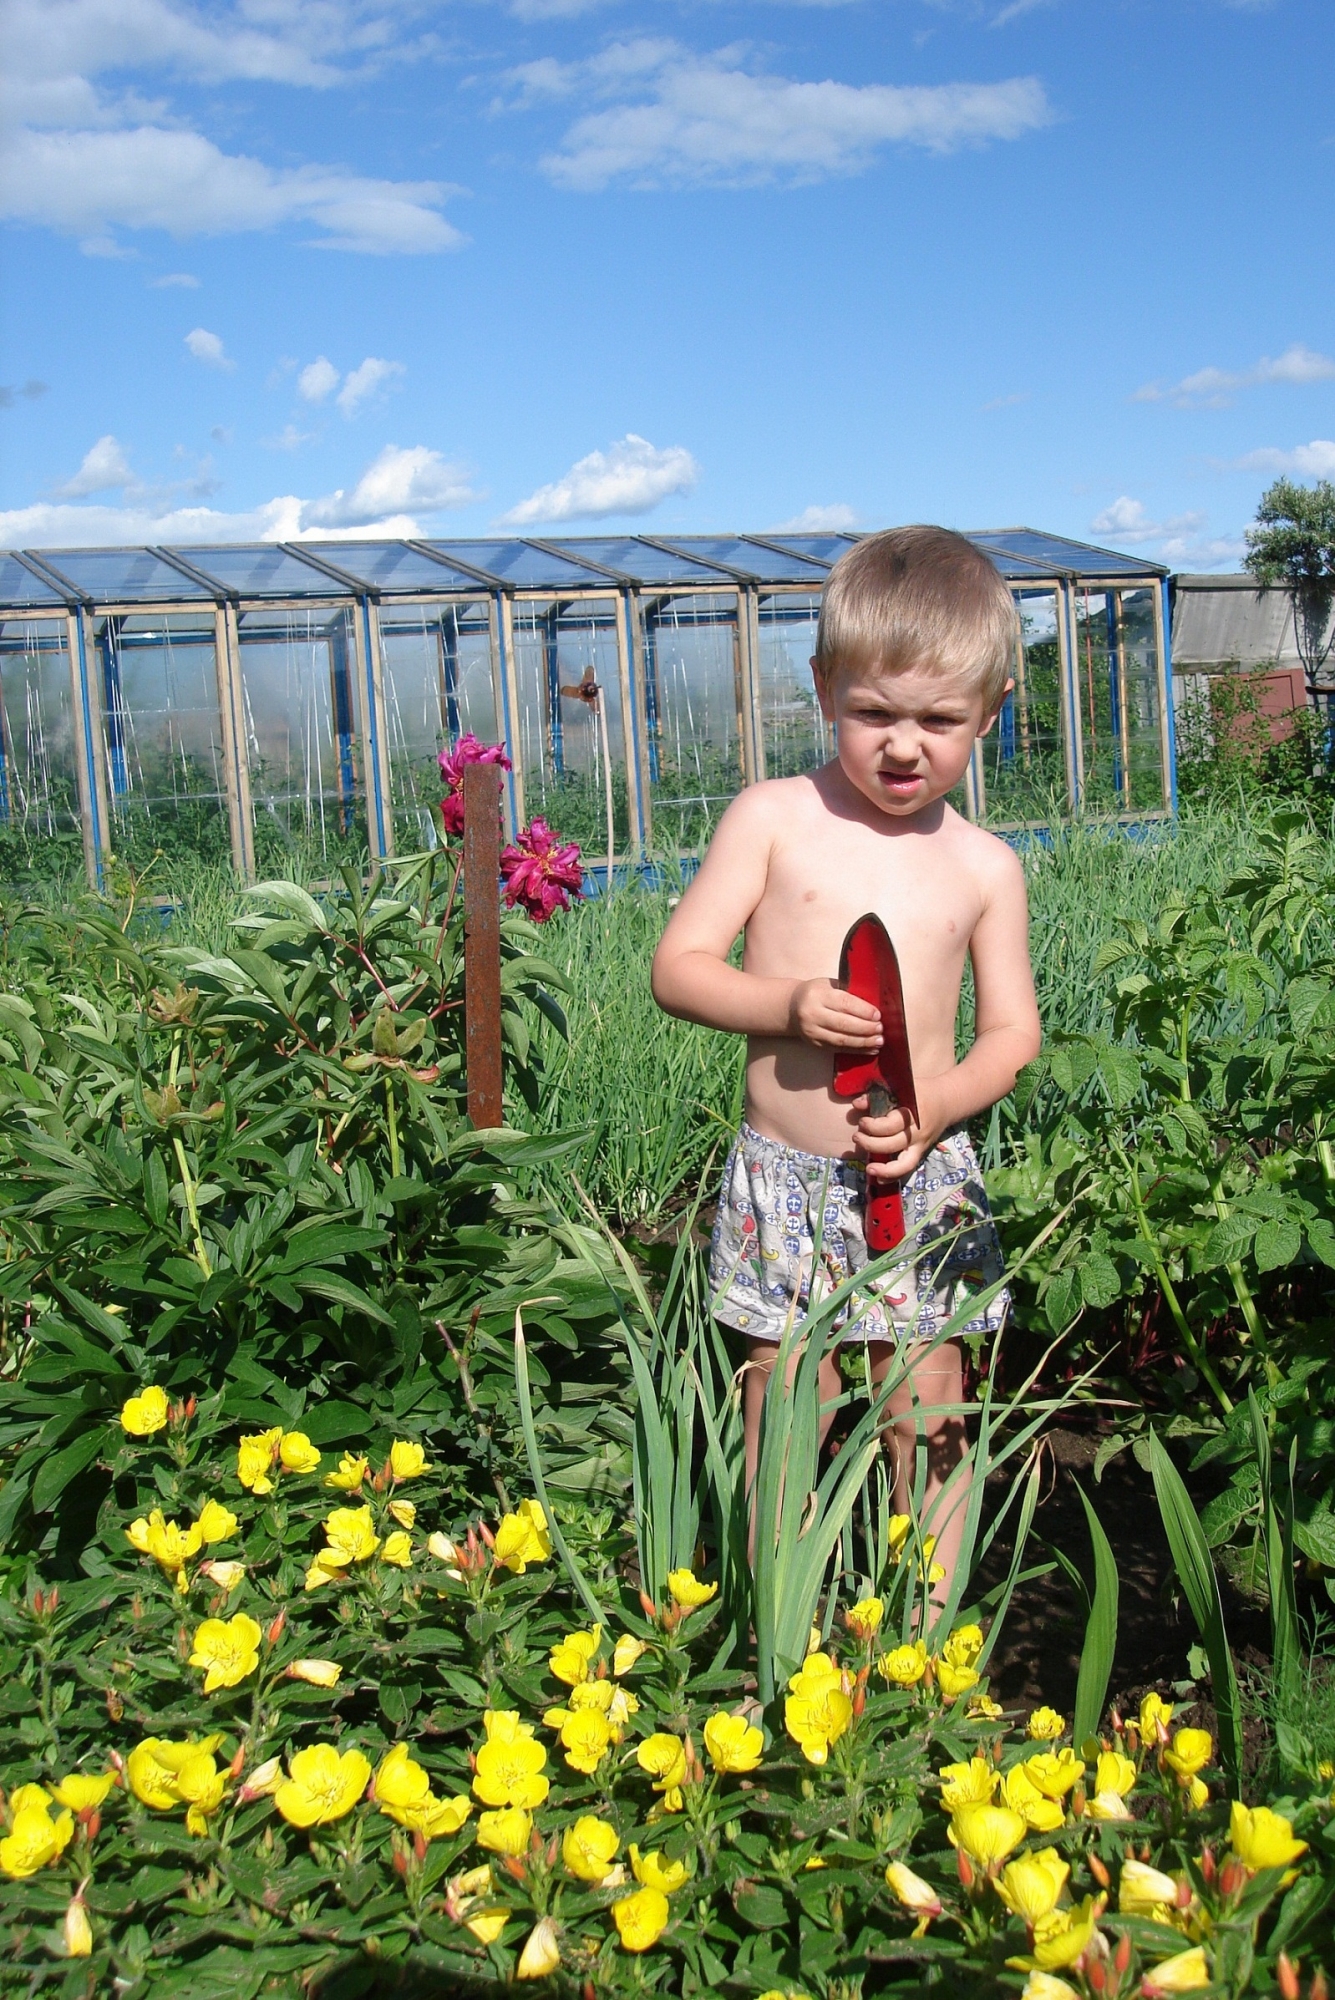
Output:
x=1292 y=543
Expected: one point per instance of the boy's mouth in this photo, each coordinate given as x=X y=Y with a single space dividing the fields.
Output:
x=899 y=784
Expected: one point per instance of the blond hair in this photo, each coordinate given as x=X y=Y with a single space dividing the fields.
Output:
x=919 y=597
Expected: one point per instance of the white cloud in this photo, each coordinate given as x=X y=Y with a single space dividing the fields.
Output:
x=1177 y=541
x=363 y=381
x=208 y=347
x=682 y=118
x=401 y=478
x=630 y=477
x=819 y=520
x=317 y=379
x=104 y=467
x=1313 y=461
x=1128 y=520
x=1015 y=9
x=288 y=439
x=175 y=280
x=1215 y=388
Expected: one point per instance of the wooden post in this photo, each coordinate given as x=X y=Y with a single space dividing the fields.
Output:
x=482 y=943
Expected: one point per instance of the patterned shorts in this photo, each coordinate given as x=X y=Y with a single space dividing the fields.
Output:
x=774 y=1198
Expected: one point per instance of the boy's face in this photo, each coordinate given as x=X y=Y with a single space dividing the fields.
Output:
x=905 y=739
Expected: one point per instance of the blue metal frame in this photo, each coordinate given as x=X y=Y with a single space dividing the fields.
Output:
x=555 y=720
x=89 y=754
x=634 y=788
x=1170 y=714
x=374 y=790
x=513 y=750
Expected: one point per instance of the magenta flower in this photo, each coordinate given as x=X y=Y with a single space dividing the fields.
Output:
x=466 y=751
x=539 y=873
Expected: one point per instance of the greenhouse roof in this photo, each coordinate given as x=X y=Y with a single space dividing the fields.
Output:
x=47 y=578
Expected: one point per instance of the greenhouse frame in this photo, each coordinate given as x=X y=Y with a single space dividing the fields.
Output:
x=253 y=701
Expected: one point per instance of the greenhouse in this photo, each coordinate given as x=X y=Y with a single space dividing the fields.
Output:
x=254 y=701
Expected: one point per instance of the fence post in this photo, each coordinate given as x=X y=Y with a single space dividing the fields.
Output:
x=482 y=943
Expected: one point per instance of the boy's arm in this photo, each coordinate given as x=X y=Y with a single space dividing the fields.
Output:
x=691 y=976
x=1007 y=1031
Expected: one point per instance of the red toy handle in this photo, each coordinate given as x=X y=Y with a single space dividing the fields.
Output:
x=885 y=1212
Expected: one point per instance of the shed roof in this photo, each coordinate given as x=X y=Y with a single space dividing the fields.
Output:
x=1223 y=621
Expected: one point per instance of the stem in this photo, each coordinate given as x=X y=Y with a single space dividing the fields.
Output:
x=471 y=1404
x=1183 y=1047
x=201 y=1255
x=1242 y=1291
x=392 y=1123
x=1199 y=1358
x=1325 y=1152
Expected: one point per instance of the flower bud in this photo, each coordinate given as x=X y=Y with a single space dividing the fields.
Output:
x=1286 y=1977
x=419 y=1844
x=1208 y=1866
x=1096 y=1976
x=1099 y=1871
x=92 y=1823
x=1122 y=1955
x=78 y=1930
x=1232 y=1878
x=238 y=1763
x=275 y=1631
x=964 y=1868
x=400 y=1862
x=1318 y=1989
x=647 y=1605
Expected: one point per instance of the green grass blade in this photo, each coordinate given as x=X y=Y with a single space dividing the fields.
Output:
x=1200 y=1586
x=572 y=1568
x=1096 y=1655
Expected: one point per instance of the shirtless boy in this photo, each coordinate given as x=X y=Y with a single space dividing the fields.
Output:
x=913 y=653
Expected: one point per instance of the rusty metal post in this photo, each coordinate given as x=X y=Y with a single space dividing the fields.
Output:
x=482 y=943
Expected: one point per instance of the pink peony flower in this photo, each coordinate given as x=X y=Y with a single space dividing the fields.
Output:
x=466 y=751
x=539 y=873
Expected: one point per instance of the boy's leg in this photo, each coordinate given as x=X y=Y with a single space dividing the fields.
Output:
x=936 y=1377
x=761 y=1356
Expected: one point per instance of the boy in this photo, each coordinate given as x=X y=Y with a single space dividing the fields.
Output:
x=913 y=652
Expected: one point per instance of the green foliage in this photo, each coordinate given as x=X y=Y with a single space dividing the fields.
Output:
x=1293 y=543
x=1225 y=748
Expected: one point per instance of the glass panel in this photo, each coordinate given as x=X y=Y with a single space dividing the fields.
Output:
x=18 y=585
x=306 y=782
x=1054 y=552
x=162 y=739
x=568 y=741
x=436 y=672
x=797 y=737
x=766 y=565
x=636 y=559
x=1024 y=767
x=261 y=570
x=820 y=548
x=393 y=566
x=692 y=701
x=528 y=568
x=39 y=791
x=1117 y=674
x=123 y=576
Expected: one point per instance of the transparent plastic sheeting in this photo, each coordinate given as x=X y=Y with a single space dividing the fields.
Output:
x=572 y=722
x=436 y=674
x=162 y=735
x=301 y=733
x=39 y=789
x=795 y=734
x=693 y=701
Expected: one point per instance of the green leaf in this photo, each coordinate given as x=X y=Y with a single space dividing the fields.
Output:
x=1200 y=1586
x=55 y=1475
x=1062 y=1299
x=1100 y=1283
x=1096 y=1655
x=1276 y=1243
x=340 y=1292
x=1229 y=1240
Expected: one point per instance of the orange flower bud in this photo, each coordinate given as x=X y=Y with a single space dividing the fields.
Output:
x=1099 y=1871
x=1122 y=1955
x=647 y=1605
x=1286 y=1976
x=964 y=1868
x=1318 y=1989
x=400 y=1862
x=92 y=1823
x=275 y=1631
x=1208 y=1866
x=1233 y=1877
x=419 y=1844
x=1096 y=1976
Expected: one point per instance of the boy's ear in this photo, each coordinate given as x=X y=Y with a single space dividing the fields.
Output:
x=988 y=720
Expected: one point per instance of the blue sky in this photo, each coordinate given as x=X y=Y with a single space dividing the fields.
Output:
x=297 y=267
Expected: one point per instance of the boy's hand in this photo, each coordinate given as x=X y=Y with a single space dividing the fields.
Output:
x=893 y=1146
x=822 y=1013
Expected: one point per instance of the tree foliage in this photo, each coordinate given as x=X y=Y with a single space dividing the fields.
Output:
x=1292 y=544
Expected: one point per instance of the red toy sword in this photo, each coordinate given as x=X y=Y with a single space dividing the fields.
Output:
x=869 y=969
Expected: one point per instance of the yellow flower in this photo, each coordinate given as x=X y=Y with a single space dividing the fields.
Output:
x=81 y=1792
x=350 y=1537
x=818 y=1673
x=589 y=1848
x=653 y=1870
x=508 y=1765
x=1063 y=1936
x=970 y=1784
x=586 y=1737
x=227 y=1575
x=910 y=1890
x=1190 y=1752
x=1047 y=1986
x=1186 y=1973
x=1198 y=1794
x=317 y=1673
x=522 y=1538
x=34 y=1840
x=1155 y=1715
x=263 y=1781
x=24 y=1796
x=664 y=1758
x=170 y=1546
x=1114 y=1776
x=687 y=1592
x=320 y=1573
x=254 y=1459
x=982 y=1708
x=816 y=1721
x=487 y=1925
x=1031 y=1886
x=154 y=1765
x=733 y=1743
x=322 y=1786
x=541 y=1953
x=296 y=1453
x=406 y=1460
x=1143 y=1891
x=397 y=1548
x=987 y=1833
x=145 y=1413
x=865 y=1617
x=403 y=1793
x=502 y=1725
x=216 y=1523
x=1054 y=1772
x=904 y=1665
x=1021 y=1794
x=1045 y=1725
x=1261 y=1838
x=228 y=1650
x=641 y=1918
x=963 y=1646
x=955 y=1681
x=626 y=1652
x=350 y=1474
x=199 y=1784
x=404 y=1512
x=78 y=1931
x=570 y=1659
x=506 y=1831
